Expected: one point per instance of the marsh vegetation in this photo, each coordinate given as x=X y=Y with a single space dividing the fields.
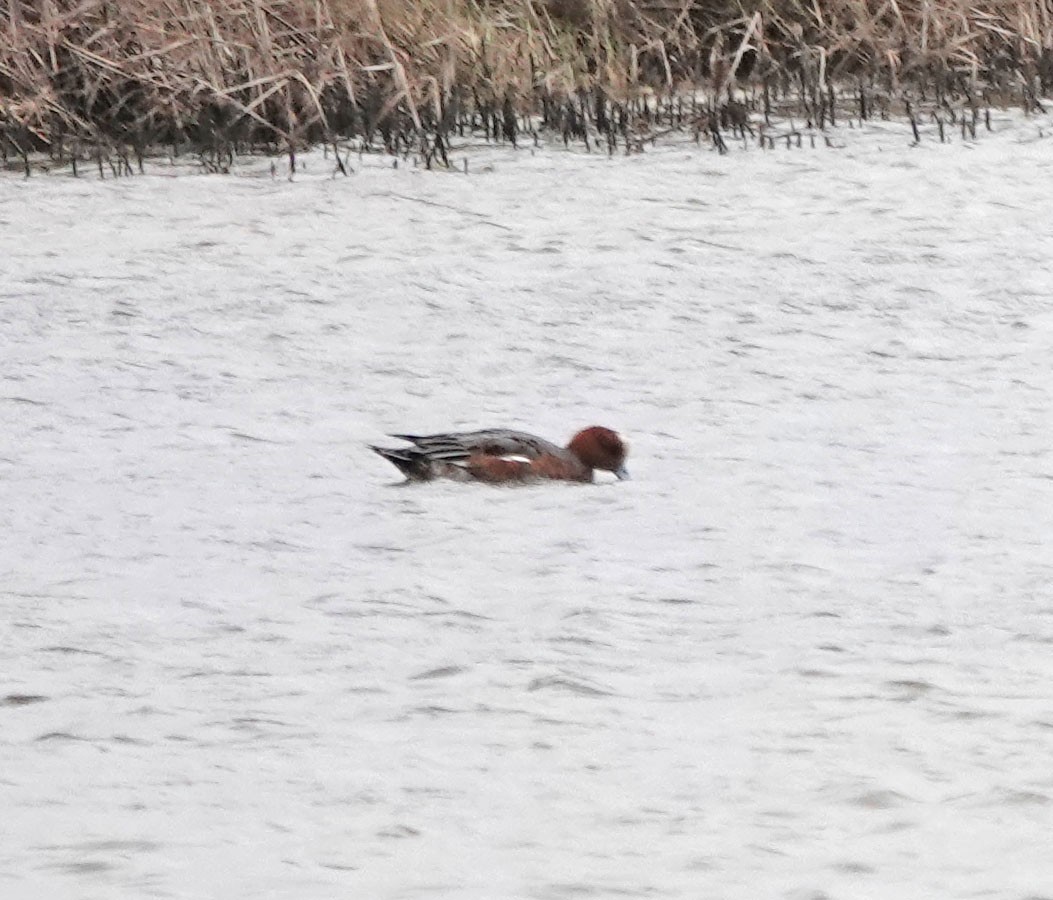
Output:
x=100 y=80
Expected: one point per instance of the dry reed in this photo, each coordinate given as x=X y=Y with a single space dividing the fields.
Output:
x=92 y=78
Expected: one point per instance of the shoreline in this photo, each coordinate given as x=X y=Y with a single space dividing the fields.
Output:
x=924 y=126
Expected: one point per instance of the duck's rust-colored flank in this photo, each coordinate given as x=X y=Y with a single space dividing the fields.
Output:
x=500 y=456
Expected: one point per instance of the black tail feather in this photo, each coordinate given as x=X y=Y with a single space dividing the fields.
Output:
x=408 y=460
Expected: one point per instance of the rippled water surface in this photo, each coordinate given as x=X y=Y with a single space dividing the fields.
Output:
x=806 y=653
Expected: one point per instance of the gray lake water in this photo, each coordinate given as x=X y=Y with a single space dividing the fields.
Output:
x=805 y=653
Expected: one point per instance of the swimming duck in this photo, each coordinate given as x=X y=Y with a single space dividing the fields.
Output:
x=498 y=455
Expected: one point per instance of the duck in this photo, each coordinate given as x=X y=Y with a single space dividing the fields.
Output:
x=504 y=456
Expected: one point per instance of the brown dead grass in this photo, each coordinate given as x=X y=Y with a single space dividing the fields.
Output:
x=289 y=72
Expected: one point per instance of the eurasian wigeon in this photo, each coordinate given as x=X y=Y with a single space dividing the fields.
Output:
x=499 y=455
